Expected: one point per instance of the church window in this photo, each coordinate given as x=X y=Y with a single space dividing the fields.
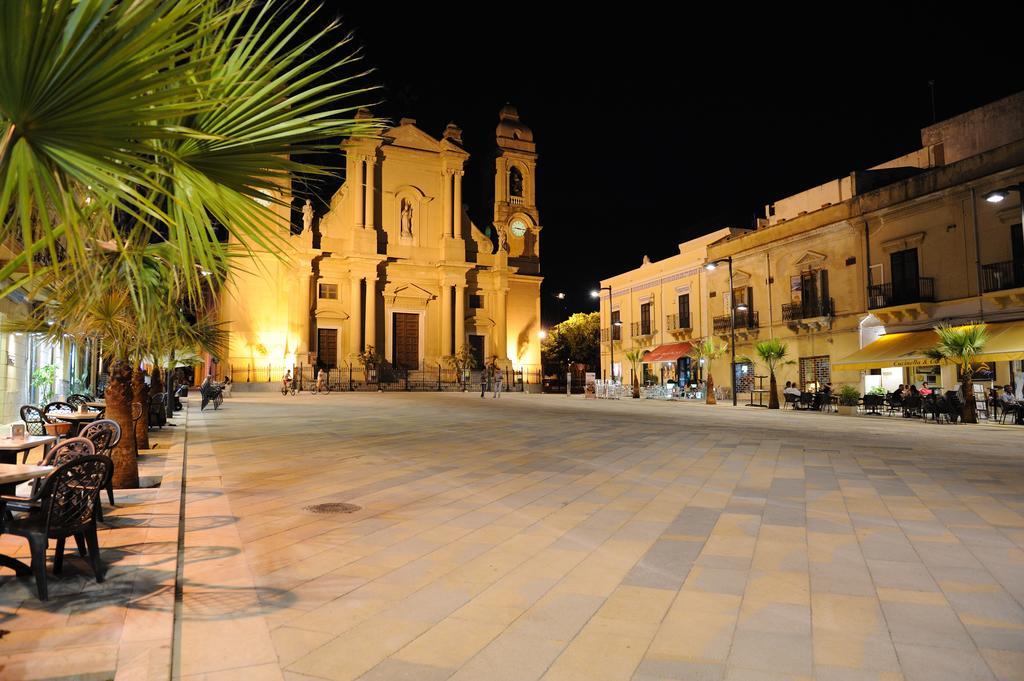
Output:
x=476 y=302
x=515 y=182
x=329 y=291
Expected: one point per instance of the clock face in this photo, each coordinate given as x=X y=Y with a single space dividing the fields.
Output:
x=518 y=227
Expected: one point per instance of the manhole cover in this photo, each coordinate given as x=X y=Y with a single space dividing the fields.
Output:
x=333 y=508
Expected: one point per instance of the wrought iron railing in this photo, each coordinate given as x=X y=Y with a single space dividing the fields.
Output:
x=745 y=319
x=613 y=333
x=809 y=309
x=673 y=322
x=1000 y=276
x=921 y=290
x=642 y=329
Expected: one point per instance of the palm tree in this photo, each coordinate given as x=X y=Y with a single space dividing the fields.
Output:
x=704 y=351
x=960 y=345
x=773 y=353
x=128 y=121
x=634 y=357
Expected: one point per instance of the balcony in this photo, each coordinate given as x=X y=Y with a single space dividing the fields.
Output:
x=640 y=329
x=810 y=309
x=614 y=333
x=1003 y=283
x=676 y=324
x=812 y=315
x=886 y=295
x=515 y=200
x=1000 y=276
x=745 y=321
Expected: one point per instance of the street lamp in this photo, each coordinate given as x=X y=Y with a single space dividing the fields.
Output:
x=710 y=267
x=596 y=293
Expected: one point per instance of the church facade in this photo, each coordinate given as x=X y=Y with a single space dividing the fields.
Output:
x=397 y=264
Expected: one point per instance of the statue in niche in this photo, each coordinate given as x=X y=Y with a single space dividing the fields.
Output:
x=502 y=239
x=406 y=218
x=307 y=217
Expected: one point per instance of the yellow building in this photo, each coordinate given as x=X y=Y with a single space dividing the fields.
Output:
x=853 y=274
x=397 y=264
x=658 y=308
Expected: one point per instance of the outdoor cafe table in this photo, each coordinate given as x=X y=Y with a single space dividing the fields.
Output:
x=9 y=447
x=99 y=404
x=10 y=476
x=76 y=419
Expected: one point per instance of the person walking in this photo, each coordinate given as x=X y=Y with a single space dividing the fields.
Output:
x=321 y=380
x=497 y=382
x=484 y=375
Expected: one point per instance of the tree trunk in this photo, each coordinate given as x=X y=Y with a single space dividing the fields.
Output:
x=710 y=397
x=119 y=408
x=969 y=411
x=636 y=386
x=140 y=393
x=156 y=384
x=773 y=396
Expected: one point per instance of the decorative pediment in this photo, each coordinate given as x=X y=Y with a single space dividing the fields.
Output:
x=903 y=242
x=810 y=259
x=407 y=291
x=740 y=278
x=408 y=136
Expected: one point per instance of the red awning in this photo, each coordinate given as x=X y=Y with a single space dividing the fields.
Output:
x=667 y=353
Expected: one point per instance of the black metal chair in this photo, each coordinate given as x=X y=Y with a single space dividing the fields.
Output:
x=104 y=434
x=137 y=412
x=912 y=406
x=873 y=403
x=35 y=424
x=893 y=403
x=57 y=408
x=158 y=410
x=806 y=400
x=1014 y=410
x=78 y=401
x=792 y=401
x=64 y=506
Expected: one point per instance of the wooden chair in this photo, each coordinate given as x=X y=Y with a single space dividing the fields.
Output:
x=64 y=506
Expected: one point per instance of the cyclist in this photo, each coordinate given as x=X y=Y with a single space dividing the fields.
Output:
x=286 y=383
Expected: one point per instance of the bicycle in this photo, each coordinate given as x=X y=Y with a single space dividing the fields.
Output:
x=316 y=390
x=292 y=388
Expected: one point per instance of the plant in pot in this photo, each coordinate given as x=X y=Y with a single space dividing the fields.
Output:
x=849 y=399
x=705 y=351
x=634 y=357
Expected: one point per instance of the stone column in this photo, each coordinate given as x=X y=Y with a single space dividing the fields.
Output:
x=446 y=320
x=357 y=191
x=371 y=311
x=460 y=316
x=457 y=205
x=501 y=326
x=371 y=222
x=446 y=202
x=354 y=322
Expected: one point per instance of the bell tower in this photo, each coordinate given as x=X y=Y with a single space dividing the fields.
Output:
x=515 y=192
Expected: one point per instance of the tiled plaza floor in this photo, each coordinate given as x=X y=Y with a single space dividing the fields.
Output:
x=543 y=537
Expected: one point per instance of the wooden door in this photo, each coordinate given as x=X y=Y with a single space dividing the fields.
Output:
x=407 y=340
x=476 y=346
x=327 y=347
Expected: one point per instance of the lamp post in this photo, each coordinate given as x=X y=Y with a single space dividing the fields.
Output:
x=596 y=293
x=710 y=267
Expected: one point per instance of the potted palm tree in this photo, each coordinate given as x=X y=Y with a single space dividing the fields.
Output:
x=773 y=353
x=705 y=351
x=634 y=358
x=960 y=345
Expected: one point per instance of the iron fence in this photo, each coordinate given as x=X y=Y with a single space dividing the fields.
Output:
x=793 y=312
x=1000 y=276
x=921 y=290
x=747 y=319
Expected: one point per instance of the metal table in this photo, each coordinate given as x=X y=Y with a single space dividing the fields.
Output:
x=9 y=448
x=76 y=419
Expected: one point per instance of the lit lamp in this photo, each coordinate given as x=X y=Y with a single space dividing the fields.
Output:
x=596 y=293
x=710 y=267
x=542 y=334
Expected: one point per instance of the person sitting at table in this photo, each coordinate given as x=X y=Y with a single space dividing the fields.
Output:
x=1007 y=397
x=791 y=389
x=905 y=391
x=925 y=390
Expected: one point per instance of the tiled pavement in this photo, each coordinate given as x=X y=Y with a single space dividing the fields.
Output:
x=88 y=630
x=542 y=537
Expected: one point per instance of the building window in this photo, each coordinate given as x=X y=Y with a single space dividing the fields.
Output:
x=515 y=182
x=616 y=325
x=328 y=291
x=476 y=302
x=645 y=319
x=815 y=372
x=684 y=311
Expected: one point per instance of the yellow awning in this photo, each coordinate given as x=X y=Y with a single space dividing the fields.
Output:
x=1006 y=342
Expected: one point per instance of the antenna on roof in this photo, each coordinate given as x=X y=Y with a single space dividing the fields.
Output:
x=931 y=86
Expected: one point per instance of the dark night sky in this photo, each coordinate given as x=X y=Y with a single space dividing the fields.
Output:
x=657 y=128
